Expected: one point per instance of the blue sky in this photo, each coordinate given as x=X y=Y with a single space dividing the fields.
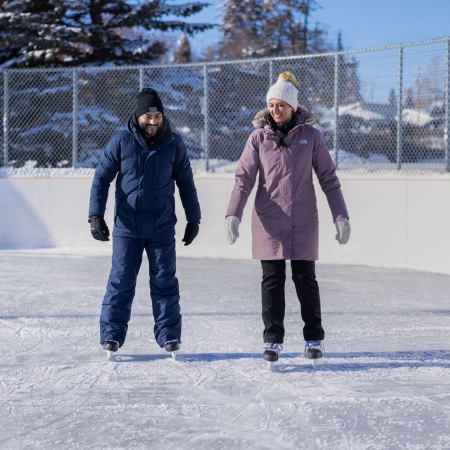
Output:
x=367 y=24
x=362 y=23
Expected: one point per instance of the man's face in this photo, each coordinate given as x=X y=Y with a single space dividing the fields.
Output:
x=150 y=123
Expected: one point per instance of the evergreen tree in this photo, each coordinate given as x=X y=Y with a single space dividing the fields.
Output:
x=408 y=101
x=392 y=98
x=64 y=33
x=269 y=28
x=183 y=53
x=241 y=27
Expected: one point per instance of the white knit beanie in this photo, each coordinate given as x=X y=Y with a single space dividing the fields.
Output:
x=283 y=90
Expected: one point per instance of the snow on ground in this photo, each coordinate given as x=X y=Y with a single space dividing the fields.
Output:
x=383 y=384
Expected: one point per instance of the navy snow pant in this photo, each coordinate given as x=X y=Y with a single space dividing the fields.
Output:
x=164 y=291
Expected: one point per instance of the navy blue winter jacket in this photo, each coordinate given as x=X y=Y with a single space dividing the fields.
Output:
x=145 y=202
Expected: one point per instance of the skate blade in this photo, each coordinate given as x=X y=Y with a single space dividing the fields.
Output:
x=271 y=365
x=174 y=355
x=109 y=355
x=314 y=363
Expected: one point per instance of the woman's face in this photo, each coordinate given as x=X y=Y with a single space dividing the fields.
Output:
x=280 y=111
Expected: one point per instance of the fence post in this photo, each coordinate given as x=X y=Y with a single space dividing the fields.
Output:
x=447 y=108
x=206 y=112
x=5 y=118
x=74 y=118
x=399 y=107
x=336 y=109
x=141 y=79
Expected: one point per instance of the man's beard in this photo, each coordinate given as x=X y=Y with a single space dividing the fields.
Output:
x=150 y=131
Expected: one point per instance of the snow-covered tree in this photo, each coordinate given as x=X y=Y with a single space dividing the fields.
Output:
x=241 y=27
x=252 y=28
x=64 y=33
x=183 y=53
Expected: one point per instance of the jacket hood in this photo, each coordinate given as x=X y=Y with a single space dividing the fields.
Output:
x=262 y=118
x=132 y=128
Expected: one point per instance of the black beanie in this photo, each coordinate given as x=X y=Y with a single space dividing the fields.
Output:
x=148 y=101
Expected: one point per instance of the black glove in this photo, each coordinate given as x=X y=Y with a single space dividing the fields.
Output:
x=99 y=228
x=191 y=232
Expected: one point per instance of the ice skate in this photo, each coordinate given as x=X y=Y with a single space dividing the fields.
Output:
x=110 y=347
x=313 y=351
x=271 y=353
x=172 y=347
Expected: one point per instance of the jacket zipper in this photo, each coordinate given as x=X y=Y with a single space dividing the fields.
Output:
x=157 y=167
x=139 y=166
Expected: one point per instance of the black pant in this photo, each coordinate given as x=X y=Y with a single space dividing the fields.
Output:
x=273 y=300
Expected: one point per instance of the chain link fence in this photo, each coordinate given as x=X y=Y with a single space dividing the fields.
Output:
x=380 y=110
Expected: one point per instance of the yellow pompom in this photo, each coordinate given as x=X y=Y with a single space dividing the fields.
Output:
x=289 y=76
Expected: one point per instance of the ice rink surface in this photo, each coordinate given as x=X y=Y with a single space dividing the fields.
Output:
x=384 y=382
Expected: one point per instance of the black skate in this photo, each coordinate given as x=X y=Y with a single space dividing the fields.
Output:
x=313 y=351
x=110 y=347
x=271 y=353
x=172 y=347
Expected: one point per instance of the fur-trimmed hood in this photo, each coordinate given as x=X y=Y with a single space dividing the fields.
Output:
x=262 y=118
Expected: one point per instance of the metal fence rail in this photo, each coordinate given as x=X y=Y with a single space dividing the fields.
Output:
x=380 y=110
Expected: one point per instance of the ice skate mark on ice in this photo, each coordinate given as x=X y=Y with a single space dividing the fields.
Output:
x=126 y=391
x=8 y=408
x=70 y=408
x=209 y=376
x=7 y=325
x=254 y=402
x=29 y=348
x=156 y=383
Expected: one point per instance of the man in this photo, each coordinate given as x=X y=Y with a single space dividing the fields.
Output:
x=147 y=159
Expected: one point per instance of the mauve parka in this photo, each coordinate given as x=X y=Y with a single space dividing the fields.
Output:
x=285 y=221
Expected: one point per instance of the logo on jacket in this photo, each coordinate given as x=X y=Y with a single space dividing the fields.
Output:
x=303 y=141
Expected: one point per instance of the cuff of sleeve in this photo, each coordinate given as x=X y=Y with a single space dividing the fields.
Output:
x=341 y=216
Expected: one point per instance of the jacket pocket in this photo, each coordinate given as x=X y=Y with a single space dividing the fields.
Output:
x=126 y=212
x=164 y=170
x=312 y=199
x=164 y=211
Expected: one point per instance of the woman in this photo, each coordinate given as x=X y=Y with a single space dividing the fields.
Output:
x=284 y=149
